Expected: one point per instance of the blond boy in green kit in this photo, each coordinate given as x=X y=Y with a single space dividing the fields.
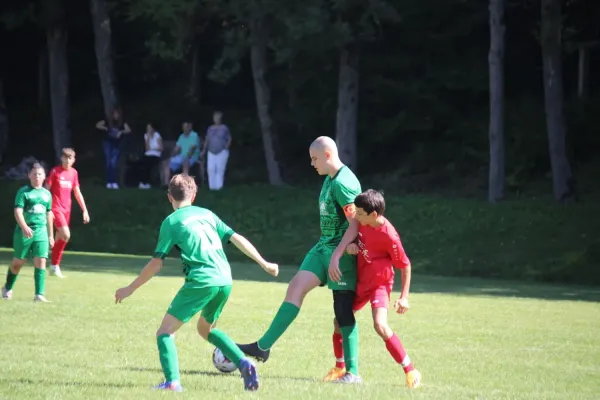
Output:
x=33 y=234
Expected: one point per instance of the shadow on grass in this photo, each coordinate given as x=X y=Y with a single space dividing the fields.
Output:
x=214 y=373
x=125 y=264
x=65 y=383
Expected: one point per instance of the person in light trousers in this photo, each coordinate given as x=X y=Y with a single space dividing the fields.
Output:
x=217 y=143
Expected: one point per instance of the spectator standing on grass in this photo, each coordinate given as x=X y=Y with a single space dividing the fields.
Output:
x=153 y=147
x=185 y=154
x=217 y=143
x=114 y=128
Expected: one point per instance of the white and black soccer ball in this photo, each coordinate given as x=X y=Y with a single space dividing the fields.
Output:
x=221 y=362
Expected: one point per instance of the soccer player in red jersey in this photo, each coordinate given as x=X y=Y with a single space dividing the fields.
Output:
x=379 y=250
x=62 y=180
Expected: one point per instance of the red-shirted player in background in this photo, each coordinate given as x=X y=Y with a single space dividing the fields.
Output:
x=379 y=249
x=62 y=180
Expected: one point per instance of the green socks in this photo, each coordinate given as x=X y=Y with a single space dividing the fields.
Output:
x=221 y=341
x=39 y=276
x=350 y=343
x=10 y=279
x=284 y=317
x=168 y=357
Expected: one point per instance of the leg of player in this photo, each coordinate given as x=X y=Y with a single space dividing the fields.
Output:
x=339 y=370
x=395 y=348
x=343 y=301
x=167 y=352
x=302 y=283
x=11 y=277
x=39 y=276
x=63 y=234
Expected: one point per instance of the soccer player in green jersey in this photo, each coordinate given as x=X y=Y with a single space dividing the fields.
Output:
x=326 y=263
x=199 y=234
x=33 y=235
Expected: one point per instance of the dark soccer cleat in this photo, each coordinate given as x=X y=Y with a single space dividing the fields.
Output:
x=248 y=371
x=254 y=351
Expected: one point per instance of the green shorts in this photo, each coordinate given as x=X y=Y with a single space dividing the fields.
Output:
x=37 y=246
x=317 y=262
x=190 y=301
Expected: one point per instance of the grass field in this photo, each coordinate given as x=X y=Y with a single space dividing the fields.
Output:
x=471 y=339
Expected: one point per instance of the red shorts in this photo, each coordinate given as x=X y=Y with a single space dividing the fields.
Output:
x=378 y=297
x=61 y=218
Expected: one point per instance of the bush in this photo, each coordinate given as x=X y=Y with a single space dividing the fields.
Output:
x=531 y=239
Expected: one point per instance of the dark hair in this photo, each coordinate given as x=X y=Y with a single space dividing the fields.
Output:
x=371 y=200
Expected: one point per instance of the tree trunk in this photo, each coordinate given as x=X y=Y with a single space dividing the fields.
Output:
x=554 y=98
x=59 y=87
x=195 y=74
x=102 y=36
x=258 y=56
x=4 y=129
x=42 y=75
x=348 y=105
x=496 y=128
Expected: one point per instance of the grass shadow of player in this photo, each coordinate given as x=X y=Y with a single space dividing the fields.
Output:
x=221 y=374
x=65 y=383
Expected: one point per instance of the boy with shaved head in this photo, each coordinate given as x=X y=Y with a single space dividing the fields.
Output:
x=326 y=263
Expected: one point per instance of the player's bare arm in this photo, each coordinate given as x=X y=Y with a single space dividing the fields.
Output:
x=126 y=129
x=152 y=268
x=249 y=250
x=401 y=305
x=348 y=238
x=50 y=227
x=27 y=232
x=81 y=202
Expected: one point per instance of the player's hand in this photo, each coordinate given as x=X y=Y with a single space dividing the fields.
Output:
x=51 y=241
x=86 y=217
x=401 y=305
x=352 y=249
x=334 y=269
x=271 y=268
x=122 y=294
x=27 y=232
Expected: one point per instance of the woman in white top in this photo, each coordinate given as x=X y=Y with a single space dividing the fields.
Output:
x=151 y=158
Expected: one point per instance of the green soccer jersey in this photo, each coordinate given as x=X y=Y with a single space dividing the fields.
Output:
x=199 y=234
x=336 y=193
x=36 y=203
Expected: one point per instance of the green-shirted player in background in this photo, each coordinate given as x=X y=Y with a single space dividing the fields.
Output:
x=199 y=234
x=326 y=259
x=33 y=235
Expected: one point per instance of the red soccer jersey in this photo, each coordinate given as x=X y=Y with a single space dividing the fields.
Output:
x=380 y=250
x=62 y=182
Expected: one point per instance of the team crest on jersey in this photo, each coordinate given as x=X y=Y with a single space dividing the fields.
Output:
x=44 y=197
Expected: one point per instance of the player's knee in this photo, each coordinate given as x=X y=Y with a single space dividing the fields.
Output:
x=336 y=326
x=16 y=265
x=342 y=307
x=382 y=329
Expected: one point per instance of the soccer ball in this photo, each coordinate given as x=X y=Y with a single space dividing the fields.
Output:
x=221 y=362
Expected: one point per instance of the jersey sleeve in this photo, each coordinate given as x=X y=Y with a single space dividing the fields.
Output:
x=20 y=199
x=396 y=251
x=165 y=241
x=223 y=230
x=51 y=176
x=49 y=203
x=344 y=195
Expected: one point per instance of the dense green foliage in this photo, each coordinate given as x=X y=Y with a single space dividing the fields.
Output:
x=520 y=239
x=423 y=105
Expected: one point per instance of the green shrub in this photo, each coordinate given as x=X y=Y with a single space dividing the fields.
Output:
x=530 y=239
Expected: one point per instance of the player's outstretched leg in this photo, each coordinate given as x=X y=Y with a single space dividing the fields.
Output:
x=395 y=348
x=167 y=353
x=11 y=278
x=339 y=370
x=302 y=283
x=342 y=305
x=39 y=277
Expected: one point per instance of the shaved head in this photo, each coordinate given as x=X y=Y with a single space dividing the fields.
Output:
x=323 y=144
